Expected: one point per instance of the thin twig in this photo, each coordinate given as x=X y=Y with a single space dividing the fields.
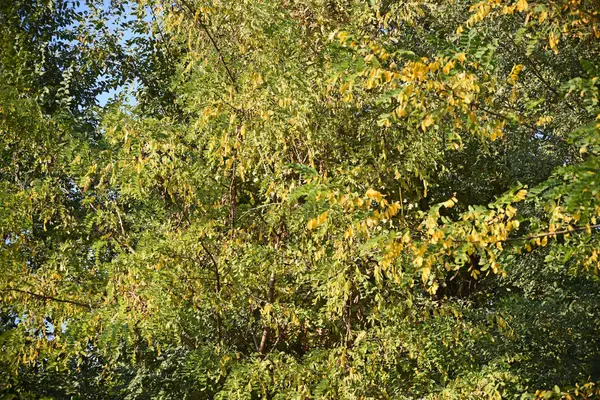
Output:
x=202 y=25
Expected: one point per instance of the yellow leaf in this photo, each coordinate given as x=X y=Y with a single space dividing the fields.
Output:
x=553 y=41
x=437 y=236
x=461 y=57
x=521 y=194
x=419 y=261
x=434 y=287
x=425 y=273
x=374 y=195
x=514 y=74
x=522 y=5
x=349 y=233
x=544 y=120
x=315 y=222
x=449 y=65
x=450 y=203
x=427 y=122
x=496 y=133
x=400 y=111
x=501 y=322
x=508 y=9
x=322 y=218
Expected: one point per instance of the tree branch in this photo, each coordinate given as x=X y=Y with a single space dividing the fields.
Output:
x=537 y=236
x=213 y=41
x=48 y=298
x=263 y=341
x=561 y=232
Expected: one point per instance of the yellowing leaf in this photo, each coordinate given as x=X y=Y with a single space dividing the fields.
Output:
x=521 y=194
x=522 y=5
x=374 y=195
x=501 y=322
x=418 y=261
x=425 y=273
x=514 y=74
x=322 y=218
x=349 y=233
x=315 y=222
x=427 y=122
x=449 y=65
x=450 y=203
x=553 y=41
x=544 y=120
x=434 y=287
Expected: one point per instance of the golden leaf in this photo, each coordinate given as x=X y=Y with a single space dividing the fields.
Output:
x=450 y=203
x=514 y=74
x=427 y=122
x=374 y=195
x=315 y=222
x=521 y=194
x=522 y=5
x=425 y=273
x=449 y=65
x=553 y=41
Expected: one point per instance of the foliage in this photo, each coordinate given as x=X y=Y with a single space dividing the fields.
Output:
x=307 y=199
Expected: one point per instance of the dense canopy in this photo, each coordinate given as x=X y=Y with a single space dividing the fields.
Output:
x=299 y=199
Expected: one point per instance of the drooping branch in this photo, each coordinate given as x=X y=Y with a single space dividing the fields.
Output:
x=47 y=297
x=556 y=233
x=537 y=235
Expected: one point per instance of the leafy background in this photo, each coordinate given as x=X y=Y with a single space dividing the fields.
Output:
x=299 y=199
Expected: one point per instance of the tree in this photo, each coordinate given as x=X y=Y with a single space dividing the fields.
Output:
x=325 y=199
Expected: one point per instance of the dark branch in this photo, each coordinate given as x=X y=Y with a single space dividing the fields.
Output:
x=213 y=41
x=47 y=298
x=263 y=341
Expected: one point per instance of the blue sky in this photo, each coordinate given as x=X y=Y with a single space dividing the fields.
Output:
x=114 y=24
